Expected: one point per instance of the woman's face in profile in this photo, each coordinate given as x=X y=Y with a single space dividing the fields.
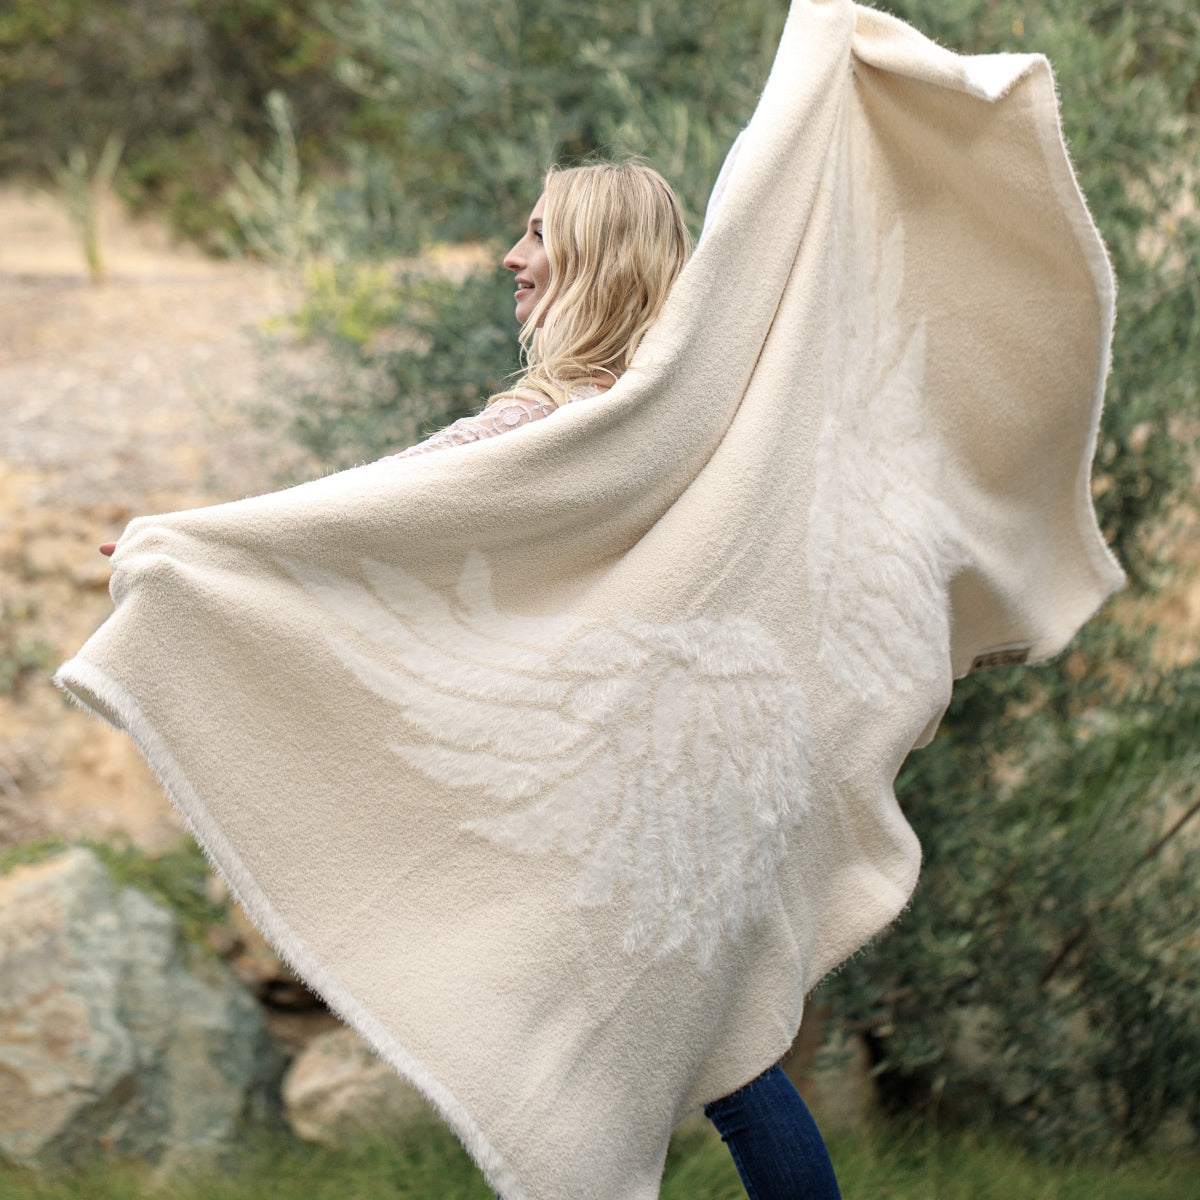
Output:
x=527 y=259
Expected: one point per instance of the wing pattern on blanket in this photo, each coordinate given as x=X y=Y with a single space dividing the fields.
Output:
x=670 y=758
x=882 y=544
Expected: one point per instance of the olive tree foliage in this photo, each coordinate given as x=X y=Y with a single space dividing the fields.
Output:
x=490 y=94
x=1045 y=971
x=181 y=83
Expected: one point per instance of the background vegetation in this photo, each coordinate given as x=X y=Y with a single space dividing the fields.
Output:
x=182 y=82
x=1044 y=977
x=1045 y=974
x=913 y=1163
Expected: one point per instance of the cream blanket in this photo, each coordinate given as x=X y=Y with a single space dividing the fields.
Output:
x=561 y=763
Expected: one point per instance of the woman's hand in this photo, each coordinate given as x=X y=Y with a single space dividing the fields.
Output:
x=106 y=548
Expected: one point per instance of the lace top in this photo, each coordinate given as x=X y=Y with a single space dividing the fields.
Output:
x=509 y=413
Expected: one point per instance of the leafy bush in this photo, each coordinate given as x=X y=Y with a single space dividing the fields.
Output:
x=183 y=82
x=491 y=93
x=381 y=389
x=20 y=654
x=1042 y=971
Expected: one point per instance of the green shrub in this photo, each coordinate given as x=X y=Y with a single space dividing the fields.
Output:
x=490 y=93
x=384 y=386
x=1041 y=973
x=183 y=82
x=21 y=654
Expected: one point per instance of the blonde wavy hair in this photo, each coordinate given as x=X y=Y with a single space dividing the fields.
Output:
x=616 y=241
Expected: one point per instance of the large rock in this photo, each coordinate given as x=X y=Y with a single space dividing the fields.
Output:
x=337 y=1090
x=832 y=1071
x=115 y=1036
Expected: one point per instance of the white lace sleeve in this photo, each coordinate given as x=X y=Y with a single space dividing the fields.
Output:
x=510 y=412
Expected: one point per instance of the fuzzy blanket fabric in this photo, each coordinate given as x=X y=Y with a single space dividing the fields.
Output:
x=561 y=763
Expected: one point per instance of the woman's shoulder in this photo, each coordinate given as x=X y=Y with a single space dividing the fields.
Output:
x=519 y=405
x=507 y=411
x=529 y=398
x=586 y=391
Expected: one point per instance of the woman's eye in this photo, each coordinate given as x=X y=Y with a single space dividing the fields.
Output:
x=537 y=233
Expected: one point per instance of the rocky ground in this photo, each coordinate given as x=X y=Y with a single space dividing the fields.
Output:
x=138 y=395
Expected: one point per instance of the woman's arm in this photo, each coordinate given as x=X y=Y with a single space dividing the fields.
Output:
x=508 y=412
x=502 y=415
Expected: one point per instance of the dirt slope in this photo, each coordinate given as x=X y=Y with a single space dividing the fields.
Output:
x=131 y=397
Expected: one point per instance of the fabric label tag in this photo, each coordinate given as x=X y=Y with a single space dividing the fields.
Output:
x=1000 y=656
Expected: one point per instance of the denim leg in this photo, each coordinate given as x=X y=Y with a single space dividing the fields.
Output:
x=774 y=1141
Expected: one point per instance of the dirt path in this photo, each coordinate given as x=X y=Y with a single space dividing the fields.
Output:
x=135 y=396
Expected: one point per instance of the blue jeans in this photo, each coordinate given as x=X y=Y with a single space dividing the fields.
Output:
x=774 y=1141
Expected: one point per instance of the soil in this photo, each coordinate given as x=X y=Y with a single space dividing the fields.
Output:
x=138 y=395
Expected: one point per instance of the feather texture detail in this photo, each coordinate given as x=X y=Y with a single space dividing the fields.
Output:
x=670 y=758
x=882 y=544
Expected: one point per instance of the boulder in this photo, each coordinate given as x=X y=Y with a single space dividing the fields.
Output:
x=841 y=1088
x=831 y=1069
x=337 y=1091
x=117 y=1037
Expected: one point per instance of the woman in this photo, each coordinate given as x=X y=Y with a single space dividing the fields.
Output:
x=586 y=295
x=593 y=269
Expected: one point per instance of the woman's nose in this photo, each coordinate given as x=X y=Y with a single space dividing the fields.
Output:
x=513 y=260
